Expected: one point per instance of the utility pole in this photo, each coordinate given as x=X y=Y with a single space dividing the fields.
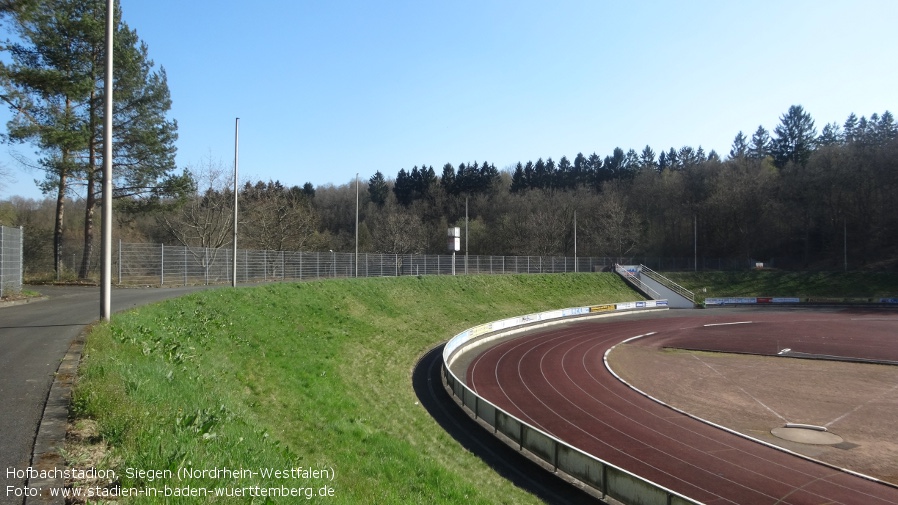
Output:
x=106 y=273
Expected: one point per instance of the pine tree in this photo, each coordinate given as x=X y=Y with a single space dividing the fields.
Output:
x=581 y=170
x=760 y=144
x=54 y=85
x=377 y=189
x=518 y=182
x=595 y=169
x=849 y=128
x=673 y=160
x=886 y=128
x=403 y=187
x=740 y=147
x=564 y=178
x=831 y=135
x=795 y=138
x=647 y=158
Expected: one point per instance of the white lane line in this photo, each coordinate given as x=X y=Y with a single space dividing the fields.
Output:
x=728 y=324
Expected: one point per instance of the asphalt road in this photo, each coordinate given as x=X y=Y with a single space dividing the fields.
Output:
x=33 y=340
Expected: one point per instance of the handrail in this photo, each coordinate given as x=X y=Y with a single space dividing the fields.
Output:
x=636 y=281
x=606 y=478
x=676 y=288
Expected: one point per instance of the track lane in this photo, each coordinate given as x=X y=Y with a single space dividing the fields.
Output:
x=556 y=380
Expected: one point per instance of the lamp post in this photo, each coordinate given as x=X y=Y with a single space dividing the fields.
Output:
x=106 y=273
x=236 y=150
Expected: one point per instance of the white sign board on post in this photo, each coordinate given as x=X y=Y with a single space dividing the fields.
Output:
x=454 y=243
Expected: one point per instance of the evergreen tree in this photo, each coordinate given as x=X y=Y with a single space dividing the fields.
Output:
x=55 y=88
x=551 y=174
x=740 y=147
x=377 y=189
x=309 y=191
x=564 y=178
x=403 y=187
x=700 y=155
x=540 y=175
x=673 y=160
x=831 y=135
x=487 y=178
x=631 y=162
x=47 y=85
x=647 y=158
x=518 y=181
x=688 y=157
x=760 y=144
x=861 y=131
x=595 y=170
x=529 y=175
x=886 y=128
x=849 y=128
x=447 y=179
x=614 y=165
x=581 y=170
x=795 y=138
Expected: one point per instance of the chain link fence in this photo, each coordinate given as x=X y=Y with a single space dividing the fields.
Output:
x=11 y=246
x=158 y=264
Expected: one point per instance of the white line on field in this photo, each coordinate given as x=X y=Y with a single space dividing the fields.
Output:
x=722 y=376
x=852 y=411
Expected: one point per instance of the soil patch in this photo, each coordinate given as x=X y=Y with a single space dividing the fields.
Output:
x=756 y=394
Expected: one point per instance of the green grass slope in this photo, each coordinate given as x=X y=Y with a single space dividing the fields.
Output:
x=313 y=375
x=833 y=285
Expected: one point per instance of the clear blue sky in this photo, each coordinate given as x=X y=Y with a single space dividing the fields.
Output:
x=328 y=89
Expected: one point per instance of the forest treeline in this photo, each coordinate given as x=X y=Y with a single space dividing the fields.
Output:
x=792 y=197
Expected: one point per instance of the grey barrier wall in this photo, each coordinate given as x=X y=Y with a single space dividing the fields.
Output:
x=557 y=456
x=11 y=265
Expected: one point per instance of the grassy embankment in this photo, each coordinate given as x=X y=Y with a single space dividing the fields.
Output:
x=313 y=374
x=832 y=286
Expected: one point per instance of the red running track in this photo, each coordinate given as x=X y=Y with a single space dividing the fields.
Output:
x=555 y=379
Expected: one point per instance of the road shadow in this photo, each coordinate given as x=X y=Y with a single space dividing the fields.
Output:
x=507 y=462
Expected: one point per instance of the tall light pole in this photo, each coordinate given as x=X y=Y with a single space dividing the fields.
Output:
x=106 y=273
x=575 y=242
x=356 y=224
x=236 y=151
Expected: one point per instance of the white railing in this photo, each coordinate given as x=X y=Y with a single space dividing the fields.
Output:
x=664 y=281
x=605 y=478
x=632 y=278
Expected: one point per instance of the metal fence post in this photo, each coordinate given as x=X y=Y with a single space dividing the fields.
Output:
x=162 y=265
x=21 y=256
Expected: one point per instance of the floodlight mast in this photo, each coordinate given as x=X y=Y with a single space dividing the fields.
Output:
x=236 y=147
x=106 y=271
